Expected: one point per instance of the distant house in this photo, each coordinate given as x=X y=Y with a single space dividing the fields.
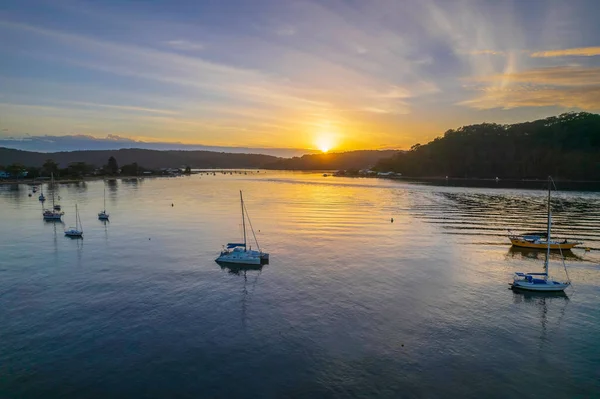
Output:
x=5 y=175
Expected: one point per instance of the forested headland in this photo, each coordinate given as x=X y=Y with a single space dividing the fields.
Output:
x=565 y=146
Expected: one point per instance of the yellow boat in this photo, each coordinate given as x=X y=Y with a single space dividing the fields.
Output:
x=540 y=240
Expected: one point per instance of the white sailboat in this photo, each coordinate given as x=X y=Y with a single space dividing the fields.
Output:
x=52 y=214
x=103 y=215
x=542 y=281
x=77 y=231
x=241 y=253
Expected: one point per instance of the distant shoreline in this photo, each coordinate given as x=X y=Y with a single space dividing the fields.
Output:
x=83 y=179
x=566 y=185
x=526 y=184
x=487 y=179
x=45 y=179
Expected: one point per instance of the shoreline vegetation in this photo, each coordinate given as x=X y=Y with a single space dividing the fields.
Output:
x=566 y=185
x=565 y=146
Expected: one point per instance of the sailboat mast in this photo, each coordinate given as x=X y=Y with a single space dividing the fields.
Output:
x=243 y=218
x=52 y=184
x=549 y=227
x=105 y=197
x=549 y=190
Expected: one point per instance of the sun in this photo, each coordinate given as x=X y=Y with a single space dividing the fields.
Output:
x=324 y=142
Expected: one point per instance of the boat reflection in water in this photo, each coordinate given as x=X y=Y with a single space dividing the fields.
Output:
x=538 y=297
x=239 y=269
x=529 y=253
x=549 y=307
x=245 y=271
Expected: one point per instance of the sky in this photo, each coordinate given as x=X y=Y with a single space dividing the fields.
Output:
x=330 y=75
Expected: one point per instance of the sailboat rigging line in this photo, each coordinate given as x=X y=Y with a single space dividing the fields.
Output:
x=251 y=228
x=560 y=201
x=562 y=206
x=565 y=266
x=243 y=219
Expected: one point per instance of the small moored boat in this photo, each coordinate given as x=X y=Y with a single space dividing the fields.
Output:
x=55 y=213
x=102 y=215
x=541 y=240
x=77 y=231
x=240 y=253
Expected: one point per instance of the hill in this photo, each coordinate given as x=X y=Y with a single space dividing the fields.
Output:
x=155 y=159
x=332 y=161
x=565 y=146
x=152 y=159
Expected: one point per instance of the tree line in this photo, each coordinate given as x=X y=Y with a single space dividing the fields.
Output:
x=76 y=170
x=153 y=160
x=332 y=161
x=565 y=146
x=150 y=159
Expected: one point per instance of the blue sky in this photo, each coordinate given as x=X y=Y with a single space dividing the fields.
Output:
x=299 y=74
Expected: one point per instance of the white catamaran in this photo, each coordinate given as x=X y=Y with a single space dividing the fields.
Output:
x=542 y=281
x=241 y=253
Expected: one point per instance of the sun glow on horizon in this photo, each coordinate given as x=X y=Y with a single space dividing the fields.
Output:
x=324 y=142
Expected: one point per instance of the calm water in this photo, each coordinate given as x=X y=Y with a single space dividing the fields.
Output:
x=351 y=305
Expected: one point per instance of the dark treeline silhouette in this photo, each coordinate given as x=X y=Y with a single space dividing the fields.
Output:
x=332 y=161
x=154 y=159
x=565 y=146
x=151 y=159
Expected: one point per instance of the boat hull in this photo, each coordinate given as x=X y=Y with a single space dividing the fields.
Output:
x=74 y=234
x=554 y=287
x=238 y=261
x=517 y=242
x=52 y=217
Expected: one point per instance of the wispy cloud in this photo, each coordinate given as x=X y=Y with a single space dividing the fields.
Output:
x=485 y=52
x=120 y=107
x=554 y=76
x=585 y=98
x=565 y=86
x=183 y=45
x=286 y=30
x=577 y=52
